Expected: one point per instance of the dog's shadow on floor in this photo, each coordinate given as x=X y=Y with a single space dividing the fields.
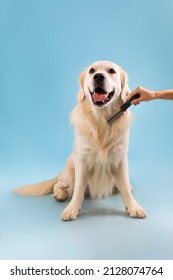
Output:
x=101 y=211
x=85 y=213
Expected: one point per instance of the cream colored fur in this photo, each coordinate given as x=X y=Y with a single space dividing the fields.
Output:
x=99 y=161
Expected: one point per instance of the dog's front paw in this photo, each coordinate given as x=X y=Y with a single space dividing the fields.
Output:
x=70 y=213
x=136 y=211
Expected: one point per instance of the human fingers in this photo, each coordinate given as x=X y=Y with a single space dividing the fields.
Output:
x=132 y=94
x=137 y=101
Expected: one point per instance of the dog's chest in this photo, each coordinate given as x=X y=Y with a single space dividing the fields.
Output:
x=101 y=166
x=100 y=171
x=98 y=157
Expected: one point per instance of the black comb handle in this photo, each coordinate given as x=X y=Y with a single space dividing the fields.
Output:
x=126 y=105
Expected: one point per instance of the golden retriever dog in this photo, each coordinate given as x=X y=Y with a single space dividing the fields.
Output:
x=99 y=162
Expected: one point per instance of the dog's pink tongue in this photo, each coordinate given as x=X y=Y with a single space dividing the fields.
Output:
x=100 y=96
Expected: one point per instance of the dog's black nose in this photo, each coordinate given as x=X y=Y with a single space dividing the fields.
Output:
x=99 y=77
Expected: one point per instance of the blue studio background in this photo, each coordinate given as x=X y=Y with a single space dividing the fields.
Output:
x=45 y=44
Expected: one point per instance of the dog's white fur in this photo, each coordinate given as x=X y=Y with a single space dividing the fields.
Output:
x=99 y=161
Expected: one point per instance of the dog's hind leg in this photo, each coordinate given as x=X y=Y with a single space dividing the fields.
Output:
x=63 y=189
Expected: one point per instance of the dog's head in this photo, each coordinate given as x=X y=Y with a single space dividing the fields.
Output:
x=102 y=83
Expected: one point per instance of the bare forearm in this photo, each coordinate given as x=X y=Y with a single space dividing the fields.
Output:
x=147 y=95
x=164 y=94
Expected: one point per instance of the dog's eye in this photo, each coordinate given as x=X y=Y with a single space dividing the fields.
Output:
x=91 y=71
x=112 y=71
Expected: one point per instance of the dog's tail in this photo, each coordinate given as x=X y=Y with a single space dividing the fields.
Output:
x=37 y=189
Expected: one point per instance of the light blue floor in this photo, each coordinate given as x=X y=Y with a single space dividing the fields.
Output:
x=31 y=227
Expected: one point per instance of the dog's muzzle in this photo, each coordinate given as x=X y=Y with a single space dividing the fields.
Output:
x=99 y=95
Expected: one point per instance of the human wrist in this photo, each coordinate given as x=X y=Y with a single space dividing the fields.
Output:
x=155 y=95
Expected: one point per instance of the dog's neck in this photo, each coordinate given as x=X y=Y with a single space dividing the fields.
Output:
x=94 y=115
x=92 y=123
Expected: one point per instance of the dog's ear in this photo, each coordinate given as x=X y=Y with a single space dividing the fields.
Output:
x=81 y=93
x=125 y=90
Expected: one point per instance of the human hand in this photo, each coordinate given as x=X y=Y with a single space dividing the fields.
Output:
x=145 y=95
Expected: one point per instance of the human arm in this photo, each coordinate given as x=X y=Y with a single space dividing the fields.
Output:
x=147 y=95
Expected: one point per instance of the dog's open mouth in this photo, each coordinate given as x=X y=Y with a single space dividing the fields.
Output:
x=100 y=97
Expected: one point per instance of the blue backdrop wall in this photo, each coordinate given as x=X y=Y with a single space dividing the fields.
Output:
x=44 y=47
